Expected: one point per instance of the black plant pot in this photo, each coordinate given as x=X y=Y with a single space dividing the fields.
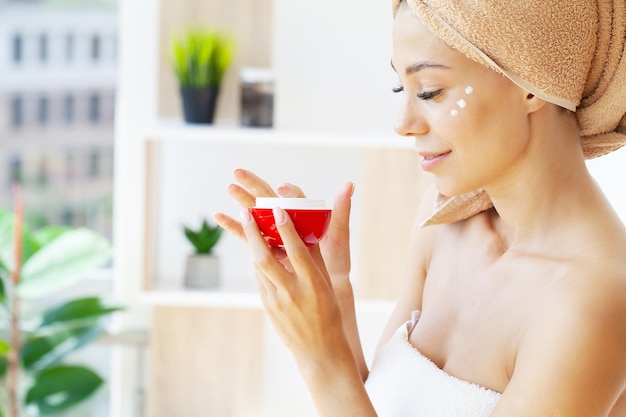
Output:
x=199 y=104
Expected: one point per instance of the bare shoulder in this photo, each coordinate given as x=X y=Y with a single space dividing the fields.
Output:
x=572 y=358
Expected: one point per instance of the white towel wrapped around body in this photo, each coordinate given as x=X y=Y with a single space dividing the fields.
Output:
x=404 y=383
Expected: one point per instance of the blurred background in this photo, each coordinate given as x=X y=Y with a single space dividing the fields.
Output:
x=91 y=126
x=58 y=65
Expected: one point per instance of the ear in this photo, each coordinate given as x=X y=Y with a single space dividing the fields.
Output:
x=533 y=103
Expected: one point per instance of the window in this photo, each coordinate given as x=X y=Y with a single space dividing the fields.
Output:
x=17 y=48
x=69 y=47
x=68 y=109
x=43 y=110
x=95 y=48
x=42 y=172
x=94 y=163
x=15 y=170
x=17 y=110
x=67 y=216
x=94 y=108
x=43 y=47
x=70 y=168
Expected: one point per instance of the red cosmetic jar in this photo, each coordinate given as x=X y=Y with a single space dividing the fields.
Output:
x=309 y=216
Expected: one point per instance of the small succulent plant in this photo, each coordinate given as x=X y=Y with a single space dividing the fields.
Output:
x=205 y=239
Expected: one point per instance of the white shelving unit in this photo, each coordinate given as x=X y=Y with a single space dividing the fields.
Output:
x=333 y=119
x=175 y=130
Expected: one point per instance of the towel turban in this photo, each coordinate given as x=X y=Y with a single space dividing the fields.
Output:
x=567 y=52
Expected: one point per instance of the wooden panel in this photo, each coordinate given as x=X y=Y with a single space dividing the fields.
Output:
x=392 y=186
x=249 y=20
x=205 y=362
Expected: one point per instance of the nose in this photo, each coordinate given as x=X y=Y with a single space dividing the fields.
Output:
x=410 y=121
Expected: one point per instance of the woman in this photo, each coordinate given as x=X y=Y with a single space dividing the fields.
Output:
x=515 y=299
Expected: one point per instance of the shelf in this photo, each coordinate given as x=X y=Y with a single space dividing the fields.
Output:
x=173 y=130
x=216 y=298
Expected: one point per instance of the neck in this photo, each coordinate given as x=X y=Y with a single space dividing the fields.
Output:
x=549 y=188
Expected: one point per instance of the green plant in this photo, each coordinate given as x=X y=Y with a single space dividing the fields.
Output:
x=201 y=56
x=205 y=238
x=34 y=345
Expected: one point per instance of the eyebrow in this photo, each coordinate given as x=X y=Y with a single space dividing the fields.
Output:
x=418 y=66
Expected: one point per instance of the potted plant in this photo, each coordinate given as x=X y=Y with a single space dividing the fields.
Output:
x=200 y=59
x=34 y=372
x=202 y=268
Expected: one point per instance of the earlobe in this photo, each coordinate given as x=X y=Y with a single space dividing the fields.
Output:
x=533 y=103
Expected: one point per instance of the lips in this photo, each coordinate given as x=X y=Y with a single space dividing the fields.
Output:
x=433 y=156
x=431 y=159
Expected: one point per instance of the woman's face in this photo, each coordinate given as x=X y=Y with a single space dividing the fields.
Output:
x=470 y=124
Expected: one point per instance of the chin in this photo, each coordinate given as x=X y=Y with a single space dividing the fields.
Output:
x=453 y=188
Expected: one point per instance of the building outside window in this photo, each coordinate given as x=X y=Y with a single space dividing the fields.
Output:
x=57 y=86
x=43 y=48
x=43 y=110
x=95 y=48
x=94 y=108
x=17 y=112
x=69 y=47
x=17 y=48
x=68 y=109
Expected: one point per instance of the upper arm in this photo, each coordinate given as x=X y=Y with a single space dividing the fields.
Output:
x=418 y=255
x=572 y=361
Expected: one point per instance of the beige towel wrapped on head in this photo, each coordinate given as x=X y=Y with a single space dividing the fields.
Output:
x=569 y=52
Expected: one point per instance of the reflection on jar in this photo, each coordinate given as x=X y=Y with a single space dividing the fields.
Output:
x=257 y=97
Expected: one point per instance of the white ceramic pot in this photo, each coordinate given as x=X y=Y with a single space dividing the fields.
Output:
x=202 y=271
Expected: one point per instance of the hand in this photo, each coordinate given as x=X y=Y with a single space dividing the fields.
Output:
x=300 y=300
x=335 y=246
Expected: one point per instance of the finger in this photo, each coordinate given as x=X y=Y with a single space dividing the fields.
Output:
x=265 y=286
x=262 y=255
x=243 y=197
x=339 y=227
x=290 y=190
x=336 y=242
x=230 y=225
x=281 y=256
x=298 y=253
x=255 y=185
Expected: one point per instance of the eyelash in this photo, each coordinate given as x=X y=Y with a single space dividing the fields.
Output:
x=425 y=95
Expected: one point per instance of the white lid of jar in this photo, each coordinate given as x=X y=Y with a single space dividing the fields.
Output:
x=290 y=203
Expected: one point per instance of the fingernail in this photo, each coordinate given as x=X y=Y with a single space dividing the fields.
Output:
x=245 y=216
x=351 y=188
x=279 y=215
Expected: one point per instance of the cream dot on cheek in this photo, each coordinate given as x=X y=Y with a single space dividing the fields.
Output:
x=469 y=89
x=454 y=112
x=461 y=103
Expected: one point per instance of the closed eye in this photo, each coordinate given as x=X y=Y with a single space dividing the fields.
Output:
x=424 y=95
x=428 y=95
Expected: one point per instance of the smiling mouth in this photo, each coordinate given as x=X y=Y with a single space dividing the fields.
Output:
x=430 y=157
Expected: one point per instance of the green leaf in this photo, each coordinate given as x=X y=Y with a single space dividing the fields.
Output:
x=60 y=387
x=4 y=366
x=5 y=347
x=3 y=295
x=63 y=262
x=204 y=239
x=29 y=246
x=43 y=350
x=47 y=234
x=78 y=309
x=201 y=56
